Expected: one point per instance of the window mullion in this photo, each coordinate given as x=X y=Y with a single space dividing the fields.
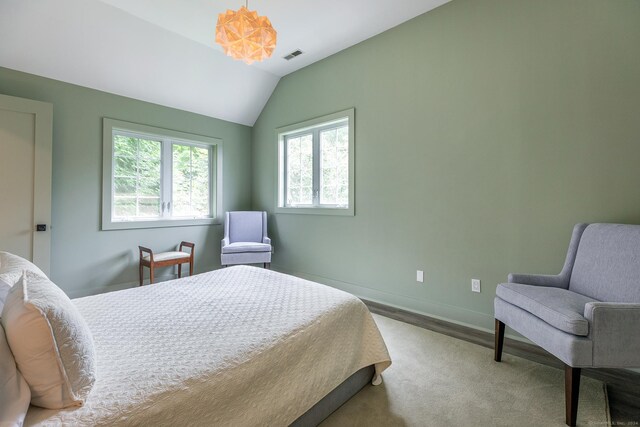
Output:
x=166 y=172
x=285 y=160
x=190 y=180
x=316 y=167
x=212 y=180
x=137 y=178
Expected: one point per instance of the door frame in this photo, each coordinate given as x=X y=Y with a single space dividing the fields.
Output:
x=43 y=115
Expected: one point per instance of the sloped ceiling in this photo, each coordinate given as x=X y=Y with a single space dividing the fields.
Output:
x=163 y=51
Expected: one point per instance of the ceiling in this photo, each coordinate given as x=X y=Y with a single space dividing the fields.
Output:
x=163 y=51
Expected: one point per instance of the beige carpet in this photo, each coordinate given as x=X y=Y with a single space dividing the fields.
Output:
x=436 y=380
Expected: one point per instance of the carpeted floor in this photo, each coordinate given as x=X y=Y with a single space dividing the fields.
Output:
x=436 y=380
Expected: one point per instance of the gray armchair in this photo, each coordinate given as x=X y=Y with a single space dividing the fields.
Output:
x=589 y=314
x=245 y=239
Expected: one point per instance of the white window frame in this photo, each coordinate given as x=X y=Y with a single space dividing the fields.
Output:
x=168 y=138
x=315 y=126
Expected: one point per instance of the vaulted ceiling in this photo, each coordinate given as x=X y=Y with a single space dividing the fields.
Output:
x=163 y=51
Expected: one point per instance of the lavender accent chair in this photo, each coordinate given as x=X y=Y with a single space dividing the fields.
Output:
x=245 y=239
x=589 y=314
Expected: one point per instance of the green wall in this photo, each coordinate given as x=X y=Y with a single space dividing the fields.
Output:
x=484 y=131
x=85 y=260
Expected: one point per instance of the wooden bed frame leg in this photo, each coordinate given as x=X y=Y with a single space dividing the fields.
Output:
x=499 y=336
x=571 y=393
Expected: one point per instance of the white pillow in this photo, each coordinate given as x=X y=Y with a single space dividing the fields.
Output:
x=12 y=266
x=50 y=341
x=4 y=290
x=14 y=391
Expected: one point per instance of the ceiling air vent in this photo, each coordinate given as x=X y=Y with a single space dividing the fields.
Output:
x=293 y=55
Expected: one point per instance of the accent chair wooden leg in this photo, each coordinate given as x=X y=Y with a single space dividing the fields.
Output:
x=151 y=274
x=141 y=274
x=499 y=341
x=571 y=393
x=190 y=268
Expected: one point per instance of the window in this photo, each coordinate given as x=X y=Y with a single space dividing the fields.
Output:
x=315 y=164
x=159 y=178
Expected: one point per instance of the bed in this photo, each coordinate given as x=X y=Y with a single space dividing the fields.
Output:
x=240 y=346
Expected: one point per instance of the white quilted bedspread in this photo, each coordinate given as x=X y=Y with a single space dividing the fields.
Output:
x=240 y=346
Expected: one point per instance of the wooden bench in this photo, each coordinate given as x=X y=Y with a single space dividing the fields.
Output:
x=166 y=259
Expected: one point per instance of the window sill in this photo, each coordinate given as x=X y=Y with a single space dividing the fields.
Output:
x=160 y=223
x=315 y=211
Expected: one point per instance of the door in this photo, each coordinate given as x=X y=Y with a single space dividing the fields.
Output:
x=25 y=179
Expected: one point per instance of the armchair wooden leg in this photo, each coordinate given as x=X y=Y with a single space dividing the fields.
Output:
x=499 y=336
x=571 y=393
x=141 y=274
x=151 y=274
x=179 y=271
x=191 y=268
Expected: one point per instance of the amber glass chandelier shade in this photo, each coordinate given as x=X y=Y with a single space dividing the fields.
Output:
x=245 y=36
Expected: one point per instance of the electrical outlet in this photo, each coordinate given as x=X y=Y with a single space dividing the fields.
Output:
x=475 y=285
x=420 y=276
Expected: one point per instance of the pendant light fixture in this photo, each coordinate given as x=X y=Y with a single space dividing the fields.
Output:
x=244 y=35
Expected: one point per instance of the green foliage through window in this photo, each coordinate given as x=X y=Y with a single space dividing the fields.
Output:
x=300 y=170
x=190 y=181
x=145 y=188
x=136 y=177
x=316 y=166
x=334 y=166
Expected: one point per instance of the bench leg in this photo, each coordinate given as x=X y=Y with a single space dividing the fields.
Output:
x=499 y=341
x=571 y=393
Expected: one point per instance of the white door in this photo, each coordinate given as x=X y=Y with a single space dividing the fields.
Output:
x=25 y=178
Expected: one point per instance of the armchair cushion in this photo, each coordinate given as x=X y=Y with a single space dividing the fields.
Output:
x=607 y=264
x=558 y=307
x=245 y=226
x=239 y=247
x=572 y=349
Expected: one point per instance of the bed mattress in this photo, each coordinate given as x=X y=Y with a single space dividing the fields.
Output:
x=240 y=346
